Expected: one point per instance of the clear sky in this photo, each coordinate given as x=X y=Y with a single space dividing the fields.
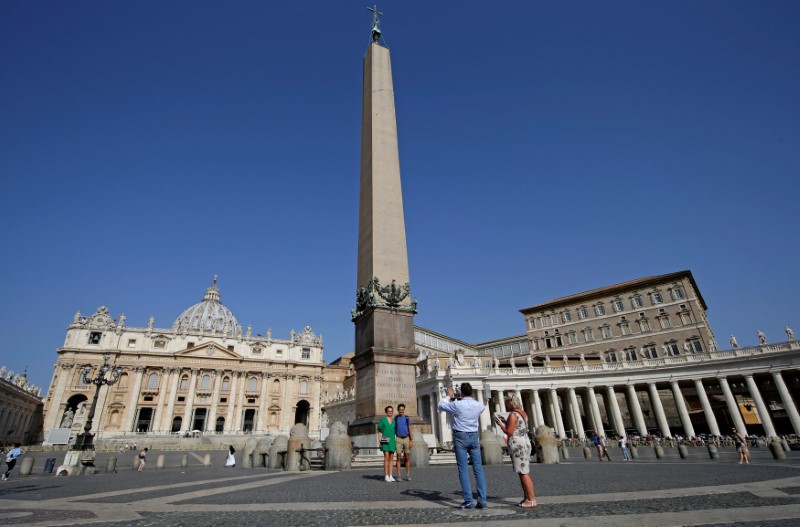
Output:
x=546 y=148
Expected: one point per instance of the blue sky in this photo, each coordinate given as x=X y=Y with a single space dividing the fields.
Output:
x=546 y=148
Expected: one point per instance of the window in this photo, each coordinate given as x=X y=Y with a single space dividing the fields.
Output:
x=558 y=339
x=535 y=344
x=618 y=306
x=572 y=337
x=630 y=353
x=306 y=353
x=672 y=349
x=599 y=310
x=686 y=318
x=612 y=356
x=644 y=324
x=131 y=343
x=279 y=353
x=625 y=328
x=677 y=293
x=650 y=351
x=205 y=382
x=184 y=383
x=695 y=345
x=252 y=384
x=543 y=322
x=160 y=344
x=588 y=335
x=636 y=302
x=303 y=387
x=226 y=384
x=656 y=298
x=257 y=351
x=152 y=381
x=664 y=321
x=94 y=337
x=532 y=323
x=189 y=345
x=554 y=319
x=606 y=329
x=583 y=313
x=230 y=348
x=566 y=316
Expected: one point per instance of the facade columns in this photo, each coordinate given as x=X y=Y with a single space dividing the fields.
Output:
x=686 y=419
x=173 y=395
x=576 y=413
x=262 y=403
x=133 y=400
x=788 y=402
x=484 y=420
x=211 y=425
x=557 y=413
x=763 y=412
x=661 y=417
x=229 y=426
x=713 y=427
x=597 y=422
x=63 y=379
x=636 y=411
x=238 y=412
x=733 y=406
x=616 y=414
x=162 y=401
x=537 y=408
x=187 y=413
x=432 y=403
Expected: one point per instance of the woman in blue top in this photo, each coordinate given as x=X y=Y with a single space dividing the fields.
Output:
x=386 y=432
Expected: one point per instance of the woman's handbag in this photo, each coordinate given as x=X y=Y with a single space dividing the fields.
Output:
x=384 y=440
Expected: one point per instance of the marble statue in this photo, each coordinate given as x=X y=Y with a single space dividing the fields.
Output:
x=565 y=359
x=762 y=338
x=547 y=360
x=150 y=322
x=686 y=347
x=10 y=375
x=77 y=317
x=2 y=372
x=712 y=345
x=476 y=362
x=249 y=330
x=512 y=362
x=789 y=333
x=734 y=344
x=66 y=421
x=121 y=320
x=496 y=363
x=583 y=359
x=530 y=361
x=460 y=357
x=602 y=356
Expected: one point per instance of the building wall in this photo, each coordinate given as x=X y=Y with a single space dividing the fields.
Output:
x=20 y=410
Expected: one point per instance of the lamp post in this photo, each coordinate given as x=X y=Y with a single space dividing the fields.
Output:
x=84 y=441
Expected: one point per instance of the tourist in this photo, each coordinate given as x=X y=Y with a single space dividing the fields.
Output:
x=741 y=447
x=231 y=461
x=142 y=459
x=623 y=445
x=598 y=447
x=466 y=441
x=519 y=447
x=11 y=459
x=386 y=433
x=403 y=440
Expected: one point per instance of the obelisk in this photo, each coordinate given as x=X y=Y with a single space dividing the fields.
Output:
x=384 y=314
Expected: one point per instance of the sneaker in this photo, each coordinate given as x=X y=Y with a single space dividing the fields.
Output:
x=408 y=478
x=466 y=505
x=388 y=479
x=480 y=506
x=391 y=478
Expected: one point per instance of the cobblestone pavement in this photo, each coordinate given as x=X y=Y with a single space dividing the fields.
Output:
x=640 y=493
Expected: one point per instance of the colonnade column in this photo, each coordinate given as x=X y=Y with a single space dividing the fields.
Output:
x=616 y=414
x=661 y=417
x=133 y=400
x=537 y=408
x=597 y=422
x=528 y=407
x=733 y=406
x=166 y=420
x=636 y=411
x=763 y=412
x=432 y=403
x=211 y=425
x=484 y=420
x=713 y=427
x=576 y=412
x=686 y=419
x=788 y=402
x=557 y=413
x=444 y=425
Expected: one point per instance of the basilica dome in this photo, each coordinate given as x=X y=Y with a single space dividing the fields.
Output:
x=208 y=316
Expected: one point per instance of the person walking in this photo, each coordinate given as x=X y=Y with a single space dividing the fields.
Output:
x=142 y=459
x=466 y=442
x=386 y=435
x=515 y=426
x=11 y=459
x=741 y=447
x=231 y=460
x=403 y=441
x=623 y=445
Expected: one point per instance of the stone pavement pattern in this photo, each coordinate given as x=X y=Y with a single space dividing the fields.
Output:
x=642 y=493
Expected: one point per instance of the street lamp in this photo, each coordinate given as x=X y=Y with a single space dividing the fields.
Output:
x=84 y=441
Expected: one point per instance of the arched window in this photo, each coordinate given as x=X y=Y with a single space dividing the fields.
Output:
x=184 y=382
x=205 y=382
x=276 y=386
x=252 y=384
x=226 y=384
x=152 y=381
x=303 y=387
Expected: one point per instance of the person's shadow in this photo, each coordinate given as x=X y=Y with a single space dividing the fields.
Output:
x=427 y=495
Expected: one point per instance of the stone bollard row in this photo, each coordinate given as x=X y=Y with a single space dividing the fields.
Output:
x=546 y=446
x=298 y=439
x=338 y=453
x=491 y=450
x=26 y=467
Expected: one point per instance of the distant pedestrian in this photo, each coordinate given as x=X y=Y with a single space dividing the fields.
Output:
x=11 y=459
x=142 y=459
x=403 y=440
x=623 y=445
x=604 y=447
x=231 y=461
x=741 y=447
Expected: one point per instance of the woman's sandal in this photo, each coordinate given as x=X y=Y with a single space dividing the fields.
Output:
x=528 y=504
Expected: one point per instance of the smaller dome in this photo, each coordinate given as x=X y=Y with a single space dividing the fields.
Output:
x=208 y=316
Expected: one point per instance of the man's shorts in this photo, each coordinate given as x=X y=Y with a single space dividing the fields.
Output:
x=403 y=444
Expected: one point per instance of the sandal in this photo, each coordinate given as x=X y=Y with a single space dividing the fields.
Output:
x=528 y=504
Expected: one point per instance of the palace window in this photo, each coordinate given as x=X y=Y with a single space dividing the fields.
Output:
x=636 y=302
x=554 y=319
x=572 y=337
x=532 y=323
x=252 y=383
x=606 y=330
x=612 y=356
x=131 y=343
x=226 y=384
x=566 y=316
x=695 y=345
x=618 y=306
x=535 y=344
x=599 y=310
x=672 y=348
x=543 y=322
x=279 y=353
x=160 y=344
x=664 y=322
x=677 y=293
x=583 y=313
x=189 y=345
x=303 y=387
x=644 y=324
x=625 y=328
x=588 y=335
x=630 y=353
x=95 y=336
x=656 y=298
x=686 y=317
x=276 y=386
x=306 y=353
x=650 y=351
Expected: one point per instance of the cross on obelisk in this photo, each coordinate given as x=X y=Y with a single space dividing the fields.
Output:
x=376 y=23
x=385 y=354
